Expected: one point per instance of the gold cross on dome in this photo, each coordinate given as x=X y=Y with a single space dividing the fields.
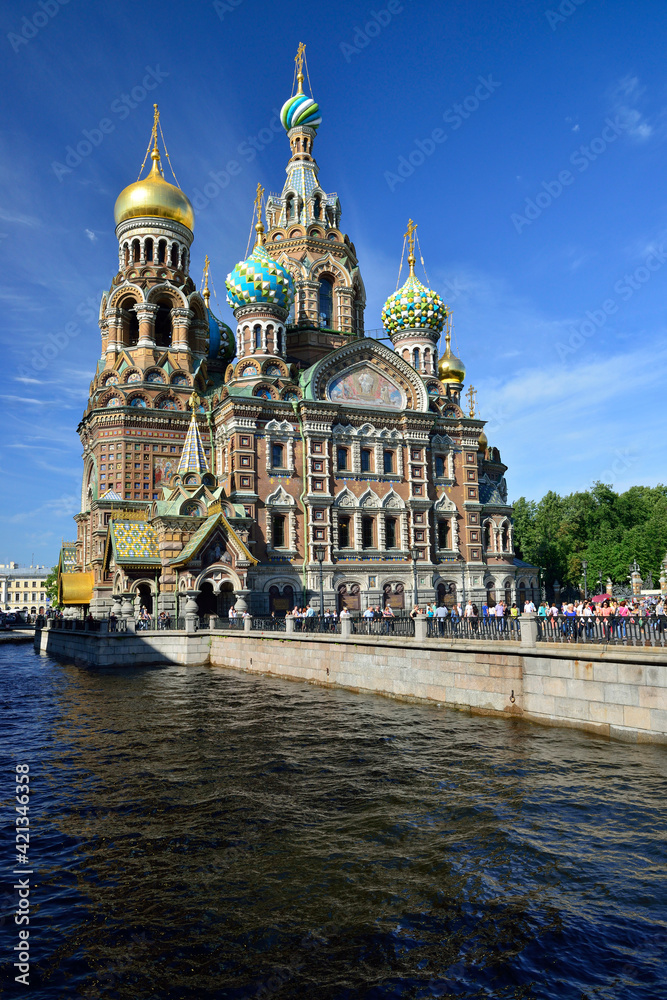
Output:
x=156 y=119
x=410 y=235
x=193 y=401
x=206 y=292
x=471 y=396
x=258 y=202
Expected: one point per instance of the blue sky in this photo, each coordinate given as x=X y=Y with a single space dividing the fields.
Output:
x=531 y=142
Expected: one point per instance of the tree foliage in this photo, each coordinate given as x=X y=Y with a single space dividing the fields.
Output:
x=51 y=587
x=607 y=529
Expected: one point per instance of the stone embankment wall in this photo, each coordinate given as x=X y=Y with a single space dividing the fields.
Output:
x=619 y=692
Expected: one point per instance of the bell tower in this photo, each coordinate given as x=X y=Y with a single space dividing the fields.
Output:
x=304 y=234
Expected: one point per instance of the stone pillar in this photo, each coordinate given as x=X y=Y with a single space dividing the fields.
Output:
x=345 y=628
x=127 y=608
x=191 y=610
x=528 y=630
x=247 y=624
x=421 y=627
x=116 y=605
x=289 y=623
x=146 y=313
x=241 y=603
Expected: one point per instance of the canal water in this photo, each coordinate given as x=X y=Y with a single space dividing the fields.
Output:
x=201 y=832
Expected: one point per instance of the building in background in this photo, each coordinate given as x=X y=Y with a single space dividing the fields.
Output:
x=251 y=466
x=23 y=588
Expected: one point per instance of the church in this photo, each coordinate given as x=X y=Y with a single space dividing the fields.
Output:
x=291 y=459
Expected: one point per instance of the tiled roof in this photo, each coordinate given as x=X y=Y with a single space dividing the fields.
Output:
x=134 y=542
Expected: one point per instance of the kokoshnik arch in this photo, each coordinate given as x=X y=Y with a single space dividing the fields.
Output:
x=217 y=461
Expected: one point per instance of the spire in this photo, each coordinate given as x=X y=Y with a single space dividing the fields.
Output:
x=193 y=458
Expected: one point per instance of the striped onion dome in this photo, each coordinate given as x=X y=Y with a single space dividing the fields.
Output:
x=300 y=110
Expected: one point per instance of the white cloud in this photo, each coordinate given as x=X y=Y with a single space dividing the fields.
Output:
x=626 y=95
x=91 y=235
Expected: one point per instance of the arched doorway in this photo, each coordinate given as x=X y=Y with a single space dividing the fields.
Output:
x=226 y=598
x=491 y=594
x=349 y=596
x=522 y=594
x=207 y=600
x=145 y=597
x=446 y=594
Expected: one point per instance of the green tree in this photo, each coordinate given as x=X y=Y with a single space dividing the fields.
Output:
x=51 y=587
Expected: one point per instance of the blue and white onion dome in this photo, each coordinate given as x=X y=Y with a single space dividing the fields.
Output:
x=300 y=110
x=414 y=307
x=260 y=280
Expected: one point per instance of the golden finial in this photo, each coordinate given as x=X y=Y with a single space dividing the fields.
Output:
x=259 y=228
x=410 y=236
x=156 y=119
x=471 y=396
x=206 y=294
x=298 y=59
x=193 y=401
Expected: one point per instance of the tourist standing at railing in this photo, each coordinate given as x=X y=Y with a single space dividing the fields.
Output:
x=499 y=615
x=529 y=607
x=543 y=610
x=231 y=614
x=441 y=615
x=112 y=621
x=514 y=617
x=388 y=616
x=485 y=610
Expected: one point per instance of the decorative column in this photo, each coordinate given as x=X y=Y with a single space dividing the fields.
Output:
x=181 y=319
x=146 y=313
x=115 y=336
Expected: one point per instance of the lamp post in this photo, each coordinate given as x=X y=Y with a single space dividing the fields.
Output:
x=320 y=553
x=414 y=555
x=584 y=566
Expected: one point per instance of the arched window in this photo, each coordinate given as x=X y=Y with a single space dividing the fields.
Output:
x=279 y=342
x=415 y=358
x=148 y=249
x=174 y=255
x=257 y=332
x=182 y=262
x=325 y=308
x=126 y=254
x=136 y=250
x=278 y=531
x=427 y=360
x=162 y=251
x=443 y=534
x=130 y=322
x=491 y=594
x=317 y=207
x=390 y=533
x=487 y=535
x=289 y=207
x=505 y=537
x=163 y=327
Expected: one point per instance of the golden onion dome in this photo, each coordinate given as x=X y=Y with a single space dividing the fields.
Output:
x=482 y=442
x=450 y=368
x=154 y=197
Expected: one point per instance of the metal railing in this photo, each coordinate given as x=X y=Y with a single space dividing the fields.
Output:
x=268 y=624
x=616 y=630
x=383 y=626
x=317 y=623
x=474 y=628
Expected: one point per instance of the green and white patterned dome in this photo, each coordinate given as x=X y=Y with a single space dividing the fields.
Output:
x=414 y=307
x=260 y=280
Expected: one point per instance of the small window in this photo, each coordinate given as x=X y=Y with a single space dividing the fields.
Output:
x=390 y=533
x=439 y=465
x=344 y=533
x=277 y=453
x=443 y=535
x=416 y=454
x=318 y=465
x=367 y=532
x=279 y=531
x=342 y=459
x=366 y=460
x=258 y=337
x=318 y=514
x=388 y=462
